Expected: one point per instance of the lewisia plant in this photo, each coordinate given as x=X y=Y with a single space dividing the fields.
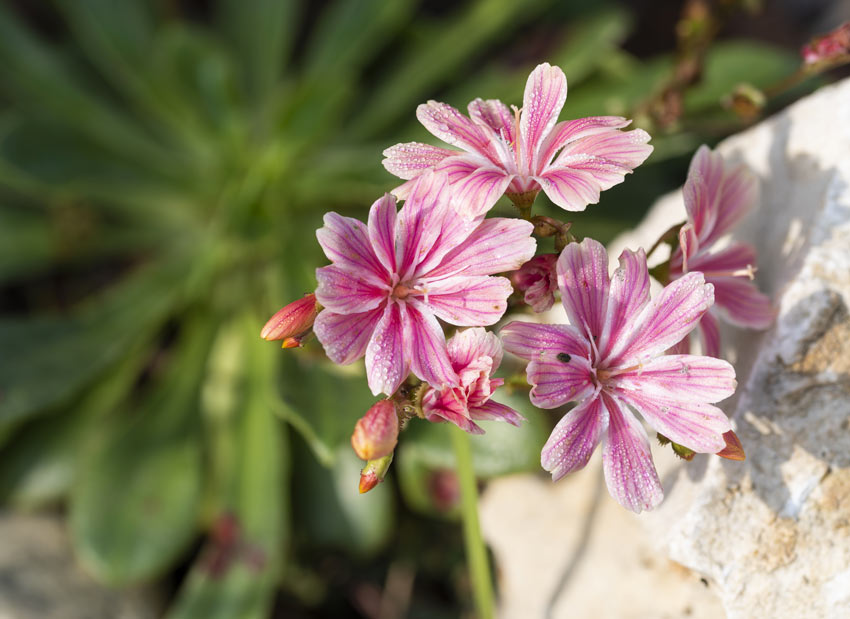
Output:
x=414 y=287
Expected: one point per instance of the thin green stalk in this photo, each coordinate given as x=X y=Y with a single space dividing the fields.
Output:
x=476 y=551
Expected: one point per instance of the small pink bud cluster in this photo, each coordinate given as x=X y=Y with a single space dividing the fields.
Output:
x=374 y=440
x=828 y=47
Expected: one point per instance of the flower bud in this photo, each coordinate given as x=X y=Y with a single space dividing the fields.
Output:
x=374 y=473
x=537 y=280
x=376 y=433
x=830 y=47
x=292 y=322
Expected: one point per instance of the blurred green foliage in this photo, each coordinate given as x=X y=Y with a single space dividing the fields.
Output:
x=161 y=178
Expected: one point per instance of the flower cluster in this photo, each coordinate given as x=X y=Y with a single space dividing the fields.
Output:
x=398 y=282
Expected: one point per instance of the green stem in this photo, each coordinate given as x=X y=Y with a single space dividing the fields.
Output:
x=476 y=551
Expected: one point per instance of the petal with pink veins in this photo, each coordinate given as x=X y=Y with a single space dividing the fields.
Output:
x=345 y=293
x=452 y=127
x=681 y=377
x=345 y=336
x=628 y=295
x=408 y=160
x=494 y=411
x=740 y=192
x=496 y=245
x=584 y=284
x=627 y=149
x=696 y=425
x=476 y=182
x=386 y=365
x=571 y=130
x=426 y=347
x=532 y=341
x=466 y=346
x=464 y=301
x=574 y=438
x=382 y=218
x=664 y=321
x=742 y=303
x=627 y=461
x=345 y=242
x=736 y=257
x=494 y=114
x=421 y=220
x=556 y=381
x=701 y=191
x=571 y=189
x=545 y=93
x=710 y=335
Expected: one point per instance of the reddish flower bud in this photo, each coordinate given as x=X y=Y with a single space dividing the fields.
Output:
x=374 y=473
x=831 y=46
x=376 y=433
x=734 y=450
x=292 y=322
x=538 y=281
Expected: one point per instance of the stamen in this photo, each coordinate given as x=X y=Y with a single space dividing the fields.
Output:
x=749 y=272
x=604 y=375
x=515 y=143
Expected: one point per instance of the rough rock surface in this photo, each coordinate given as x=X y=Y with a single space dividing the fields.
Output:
x=770 y=535
x=39 y=578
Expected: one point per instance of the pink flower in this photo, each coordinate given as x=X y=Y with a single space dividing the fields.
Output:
x=832 y=46
x=391 y=279
x=717 y=197
x=611 y=359
x=475 y=355
x=522 y=152
x=536 y=279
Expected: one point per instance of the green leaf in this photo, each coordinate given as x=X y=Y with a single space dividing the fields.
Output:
x=56 y=357
x=249 y=453
x=261 y=34
x=135 y=505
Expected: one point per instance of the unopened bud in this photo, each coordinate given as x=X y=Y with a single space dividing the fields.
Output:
x=293 y=322
x=374 y=473
x=833 y=47
x=734 y=450
x=746 y=101
x=376 y=433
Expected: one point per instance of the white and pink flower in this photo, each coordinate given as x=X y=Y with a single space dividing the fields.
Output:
x=475 y=354
x=392 y=279
x=717 y=197
x=521 y=152
x=611 y=358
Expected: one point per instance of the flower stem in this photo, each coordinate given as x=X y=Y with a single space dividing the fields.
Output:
x=476 y=551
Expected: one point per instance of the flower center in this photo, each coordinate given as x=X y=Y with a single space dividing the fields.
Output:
x=401 y=291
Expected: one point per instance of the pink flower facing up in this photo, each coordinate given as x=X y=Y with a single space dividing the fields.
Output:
x=611 y=359
x=475 y=354
x=537 y=281
x=717 y=197
x=391 y=279
x=524 y=151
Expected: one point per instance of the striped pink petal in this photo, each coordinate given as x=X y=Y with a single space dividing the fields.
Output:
x=742 y=303
x=558 y=379
x=345 y=336
x=343 y=292
x=571 y=130
x=494 y=114
x=688 y=247
x=494 y=411
x=627 y=461
x=476 y=182
x=574 y=438
x=409 y=160
x=584 y=283
x=421 y=222
x=571 y=189
x=386 y=365
x=452 y=127
x=735 y=257
x=469 y=301
x=627 y=149
x=665 y=321
x=438 y=406
x=466 y=346
x=628 y=295
x=532 y=341
x=345 y=242
x=705 y=177
x=696 y=425
x=710 y=334
x=382 y=221
x=426 y=342
x=496 y=245
x=681 y=377
x=740 y=192
x=545 y=93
